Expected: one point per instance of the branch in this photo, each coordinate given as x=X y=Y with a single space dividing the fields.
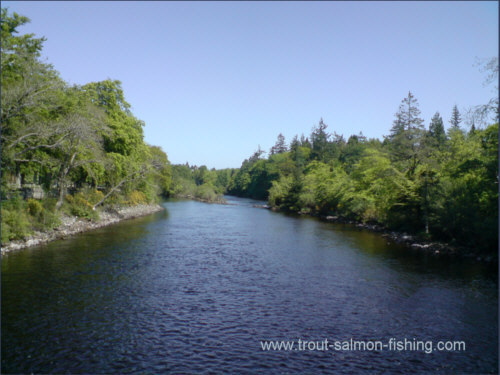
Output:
x=30 y=160
x=130 y=177
x=54 y=145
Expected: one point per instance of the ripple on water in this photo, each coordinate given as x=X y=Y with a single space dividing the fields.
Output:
x=196 y=291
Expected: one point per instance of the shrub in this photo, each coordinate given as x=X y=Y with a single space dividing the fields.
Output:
x=49 y=220
x=6 y=233
x=92 y=196
x=137 y=197
x=49 y=204
x=78 y=205
x=206 y=192
x=35 y=208
x=15 y=225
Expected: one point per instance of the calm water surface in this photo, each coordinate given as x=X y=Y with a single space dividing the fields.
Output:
x=195 y=288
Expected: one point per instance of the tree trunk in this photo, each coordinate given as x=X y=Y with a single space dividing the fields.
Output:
x=62 y=179
x=62 y=191
x=108 y=194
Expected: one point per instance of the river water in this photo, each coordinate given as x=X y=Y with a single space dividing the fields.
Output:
x=198 y=287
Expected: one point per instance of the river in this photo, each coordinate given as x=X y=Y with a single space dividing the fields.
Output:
x=198 y=287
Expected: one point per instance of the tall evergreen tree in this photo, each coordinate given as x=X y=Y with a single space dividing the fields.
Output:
x=456 y=118
x=319 y=139
x=294 y=144
x=472 y=128
x=436 y=130
x=280 y=145
x=304 y=141
x=407 y=134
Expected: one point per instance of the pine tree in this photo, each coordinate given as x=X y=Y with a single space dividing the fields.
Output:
x=304 y=141
x=456 y=118
x=436 y=130
x=472 y=128
x=407 y=134
x=280 y=145
x=319 y=139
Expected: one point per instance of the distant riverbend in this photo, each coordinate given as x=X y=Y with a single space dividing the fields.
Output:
x=208 y=288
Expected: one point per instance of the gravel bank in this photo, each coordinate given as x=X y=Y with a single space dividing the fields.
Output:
x=71 y=225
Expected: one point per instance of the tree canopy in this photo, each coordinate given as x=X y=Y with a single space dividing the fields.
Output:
x=70 y=139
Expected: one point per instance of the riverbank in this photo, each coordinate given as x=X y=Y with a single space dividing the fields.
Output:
x=413 y=242
x=71 y=225
x=418 y=244
x=217 y=200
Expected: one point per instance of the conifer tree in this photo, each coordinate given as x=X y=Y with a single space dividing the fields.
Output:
x=407 y=134
x=280 y=145
x=436 y=130
x=456 y=118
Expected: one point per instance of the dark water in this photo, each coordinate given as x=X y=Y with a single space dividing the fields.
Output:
x=195 y=288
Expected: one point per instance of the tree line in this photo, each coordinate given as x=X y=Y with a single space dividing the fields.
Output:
x=200 y=183
x=440 y=184
x=85 y=148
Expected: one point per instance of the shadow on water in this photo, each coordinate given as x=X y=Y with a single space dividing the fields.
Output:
x=401 y=257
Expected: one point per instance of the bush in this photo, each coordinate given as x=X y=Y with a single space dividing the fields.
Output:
x=6 y=233
x=49 y=204
x=206 y=192
x=15 y=225
x=35 y=208
x=78 y=205
x=137 y=197
x=92 y=196
x=49 y=220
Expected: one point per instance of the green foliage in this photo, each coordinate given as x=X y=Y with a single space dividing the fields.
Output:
x=79 y=205
x=34 y=207
x=441 y=186
x=21 y=218
x=137 y=197
x=280 y=190
x=205 y=192
x=16 y=223
x=254 y=178
x=436 y=134
x=199 y=182
x=60 y=136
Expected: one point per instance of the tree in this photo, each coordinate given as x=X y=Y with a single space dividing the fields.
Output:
x=161 y=171
x=304 y=141
x=300 y=151
x=32 y=96
x=353 y=150
x=456 y=118
x=16 y=50
x=126 y=130
x=81 y=144
x=126 y=172
x=319 y=140
x=485 y=114
x=280 y=146
x=436 y=130
x=405 y=139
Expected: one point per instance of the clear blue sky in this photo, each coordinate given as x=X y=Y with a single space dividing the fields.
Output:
x=213 y=81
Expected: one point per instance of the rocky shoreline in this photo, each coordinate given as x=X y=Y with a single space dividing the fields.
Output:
x=418 y=244
x=412 y=242
x=219 y=200
x=71 y=225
